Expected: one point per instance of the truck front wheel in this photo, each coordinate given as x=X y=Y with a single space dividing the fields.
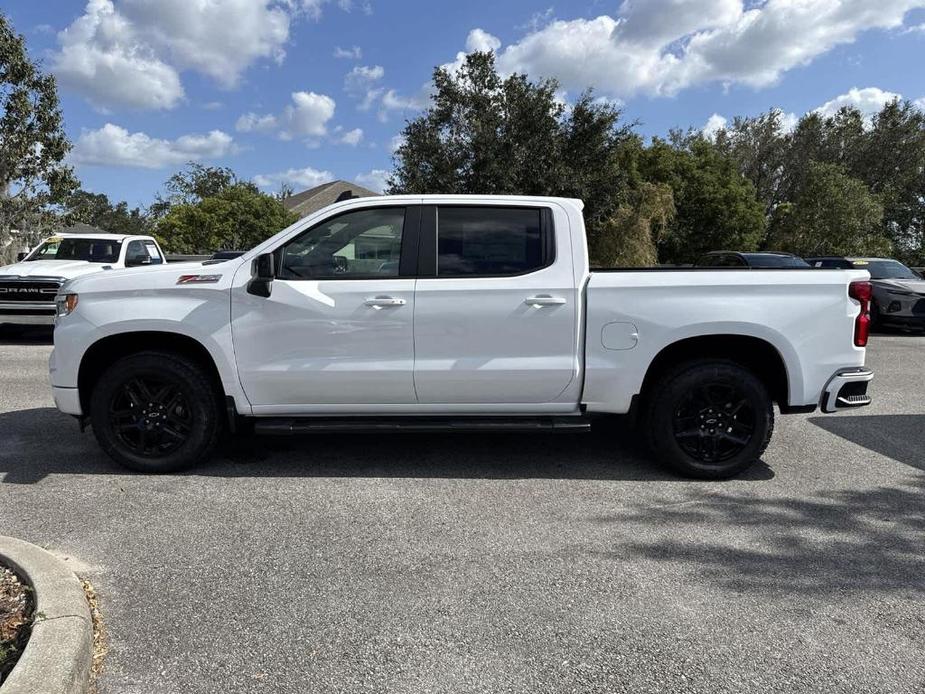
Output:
x=155 y=412
x=709 y=419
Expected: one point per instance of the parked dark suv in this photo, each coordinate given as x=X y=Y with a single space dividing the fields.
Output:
x=899 y=291
x=765 y=260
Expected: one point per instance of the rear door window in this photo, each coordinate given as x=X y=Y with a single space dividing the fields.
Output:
x=492 y=241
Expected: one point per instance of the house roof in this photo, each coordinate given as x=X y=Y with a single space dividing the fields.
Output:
x=313 y=199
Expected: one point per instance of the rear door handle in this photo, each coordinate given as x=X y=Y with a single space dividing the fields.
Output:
x=383 y=301
x=544 y=301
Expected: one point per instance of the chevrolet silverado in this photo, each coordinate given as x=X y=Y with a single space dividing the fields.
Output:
x=462 y=313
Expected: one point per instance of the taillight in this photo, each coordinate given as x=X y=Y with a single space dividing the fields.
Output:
x=862 y=292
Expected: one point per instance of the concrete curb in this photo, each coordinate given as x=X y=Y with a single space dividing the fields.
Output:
x=57 y=657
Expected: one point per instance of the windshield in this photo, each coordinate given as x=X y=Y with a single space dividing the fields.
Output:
x=885 y=269
x=89 y=250
x=776 y=261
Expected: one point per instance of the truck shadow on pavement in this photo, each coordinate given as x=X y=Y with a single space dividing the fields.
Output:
x=897 y=436
x=824 y=543
x=43 y=441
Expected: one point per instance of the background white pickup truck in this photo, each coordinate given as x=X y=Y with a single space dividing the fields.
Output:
x=453 y=312
x=28 y=287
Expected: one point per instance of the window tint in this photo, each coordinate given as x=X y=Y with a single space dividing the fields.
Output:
x=135 y=249
x=490 y=241
x=91 y=250
x=886 y=270
x=776 y=261
x=364 y=243
x=720 y=260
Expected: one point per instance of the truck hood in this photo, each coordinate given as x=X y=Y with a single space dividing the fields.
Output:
x=153 y=278
x=917 y=286
x=52 y=268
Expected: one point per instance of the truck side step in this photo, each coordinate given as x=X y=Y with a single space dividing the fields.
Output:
x=376 y=425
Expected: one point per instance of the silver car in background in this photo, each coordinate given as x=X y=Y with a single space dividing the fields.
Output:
x=899 y=291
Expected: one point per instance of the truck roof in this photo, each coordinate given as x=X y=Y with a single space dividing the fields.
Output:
x=105 y=235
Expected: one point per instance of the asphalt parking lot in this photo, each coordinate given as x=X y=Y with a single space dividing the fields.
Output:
x=562 y=563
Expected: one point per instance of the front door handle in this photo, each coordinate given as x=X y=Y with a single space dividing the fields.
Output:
x=384 y=301
x=544 y=301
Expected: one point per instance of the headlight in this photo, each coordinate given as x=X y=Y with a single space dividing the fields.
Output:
x=65 y=304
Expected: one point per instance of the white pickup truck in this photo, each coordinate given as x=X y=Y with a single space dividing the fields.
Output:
x=28 y=287
x=458 y=313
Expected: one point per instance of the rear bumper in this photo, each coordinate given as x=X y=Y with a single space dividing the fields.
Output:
x=847 y=389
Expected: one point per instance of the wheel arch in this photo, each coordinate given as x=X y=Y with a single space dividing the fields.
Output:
x=106 y=350
x=754 y=353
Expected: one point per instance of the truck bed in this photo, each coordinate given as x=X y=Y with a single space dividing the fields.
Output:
x=805 y=314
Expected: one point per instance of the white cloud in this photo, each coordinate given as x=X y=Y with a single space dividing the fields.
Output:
x=663 y=46
x=218 y=38
x=132 y=52
x=351 y=137
x=254 y=123
x=362 y=83
x=352 y=53
x=396 y=142
x=920 y=102
x=714 y=124
x=393 y=101
x=103 y=57
x=376 y=180
x=313 y=8
x=869 y=101
x=788 y=121
x=481 y=40
x=298 y=178
x=306 y=116
x=477 y=40
x=112 y=145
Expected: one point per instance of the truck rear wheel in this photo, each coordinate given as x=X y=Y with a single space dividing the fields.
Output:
x=155 y=412
x=709 y=419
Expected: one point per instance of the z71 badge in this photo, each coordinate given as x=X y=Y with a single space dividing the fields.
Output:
x=198 y=279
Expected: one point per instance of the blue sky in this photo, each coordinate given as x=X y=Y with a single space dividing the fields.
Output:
x=304 y=90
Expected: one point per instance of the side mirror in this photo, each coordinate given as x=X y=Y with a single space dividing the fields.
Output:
x=264 y=271
x=137 y=260
x=21 y=256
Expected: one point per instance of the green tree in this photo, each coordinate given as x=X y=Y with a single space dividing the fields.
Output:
x=892 y=164
x=630 y=236
x=760 y=147
x=716 y=206
x=492 y=135
x=32 y=142
x=237 y=217
x=194 y=184
x=832 y=214
x=96 y=210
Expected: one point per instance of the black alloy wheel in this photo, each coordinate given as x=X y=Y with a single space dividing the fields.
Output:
x=157 y=411
x=150 y=416
x=714 y=422
x=708 y=418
